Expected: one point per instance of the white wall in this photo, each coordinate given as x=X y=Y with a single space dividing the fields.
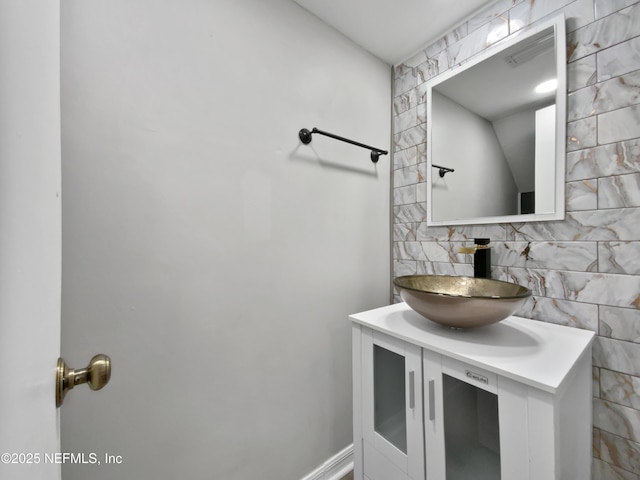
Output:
x=29 y=235
x=482 y=173
x=516 y=134
x=213 y=256
x=545 y=151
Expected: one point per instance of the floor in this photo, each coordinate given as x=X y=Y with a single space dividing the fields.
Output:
x=348 y=476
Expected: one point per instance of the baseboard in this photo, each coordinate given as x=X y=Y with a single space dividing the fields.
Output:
x=335 y=468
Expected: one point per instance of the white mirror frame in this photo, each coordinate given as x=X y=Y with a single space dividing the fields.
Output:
x=558 y=23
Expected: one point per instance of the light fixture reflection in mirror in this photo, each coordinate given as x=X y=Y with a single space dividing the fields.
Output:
x=547 y=86
x=505 y=141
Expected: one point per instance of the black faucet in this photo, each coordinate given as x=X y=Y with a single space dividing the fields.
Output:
x=481 y=257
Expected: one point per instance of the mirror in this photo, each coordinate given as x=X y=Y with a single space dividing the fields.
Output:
x=496 y=133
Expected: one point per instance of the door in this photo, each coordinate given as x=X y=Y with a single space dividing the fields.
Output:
x=462 y=428
x=30 y=241
x=475 y=422
x=391 y=408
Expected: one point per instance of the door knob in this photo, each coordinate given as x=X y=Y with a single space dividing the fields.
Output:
x=96 y=374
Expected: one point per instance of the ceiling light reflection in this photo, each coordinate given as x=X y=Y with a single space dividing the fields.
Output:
x=547 y=86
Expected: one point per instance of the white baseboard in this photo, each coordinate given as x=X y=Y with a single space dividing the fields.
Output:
x=335 y=468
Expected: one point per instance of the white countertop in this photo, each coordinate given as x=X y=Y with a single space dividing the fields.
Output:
x=535 y=353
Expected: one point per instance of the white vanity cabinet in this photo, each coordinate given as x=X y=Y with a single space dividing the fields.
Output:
x=511 y=401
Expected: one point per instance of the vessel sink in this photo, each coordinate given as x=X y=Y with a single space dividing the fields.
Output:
x=461 y=302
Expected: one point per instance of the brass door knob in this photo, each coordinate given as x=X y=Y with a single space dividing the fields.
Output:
x=96 y=374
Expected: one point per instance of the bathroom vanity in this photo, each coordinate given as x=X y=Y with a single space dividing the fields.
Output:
x=509 y=401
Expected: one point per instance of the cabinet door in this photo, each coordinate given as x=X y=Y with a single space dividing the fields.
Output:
x=462 y=427
x=392 y=403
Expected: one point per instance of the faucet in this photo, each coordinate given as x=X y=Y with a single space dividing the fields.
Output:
x=481 y=257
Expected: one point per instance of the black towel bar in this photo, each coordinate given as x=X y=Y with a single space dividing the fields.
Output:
x=305 y=137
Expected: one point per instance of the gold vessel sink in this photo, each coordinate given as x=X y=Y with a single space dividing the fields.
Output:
x=461 y=302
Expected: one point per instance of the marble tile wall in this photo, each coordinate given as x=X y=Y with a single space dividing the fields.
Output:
x=584 y=270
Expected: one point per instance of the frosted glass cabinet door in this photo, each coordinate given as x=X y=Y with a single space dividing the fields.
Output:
x=389 y=397
x=462 y=428
x=392 y=402
x=471 y=432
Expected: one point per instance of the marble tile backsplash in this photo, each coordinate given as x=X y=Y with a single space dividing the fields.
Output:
x=584 y=270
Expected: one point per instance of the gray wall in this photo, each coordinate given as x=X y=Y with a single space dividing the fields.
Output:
x=584 y=271
x=483 y=185
x=213 y=256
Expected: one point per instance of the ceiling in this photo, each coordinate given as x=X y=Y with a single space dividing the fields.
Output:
x=392 y=30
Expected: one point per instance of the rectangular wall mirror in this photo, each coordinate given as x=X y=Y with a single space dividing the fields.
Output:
x=496 y=132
